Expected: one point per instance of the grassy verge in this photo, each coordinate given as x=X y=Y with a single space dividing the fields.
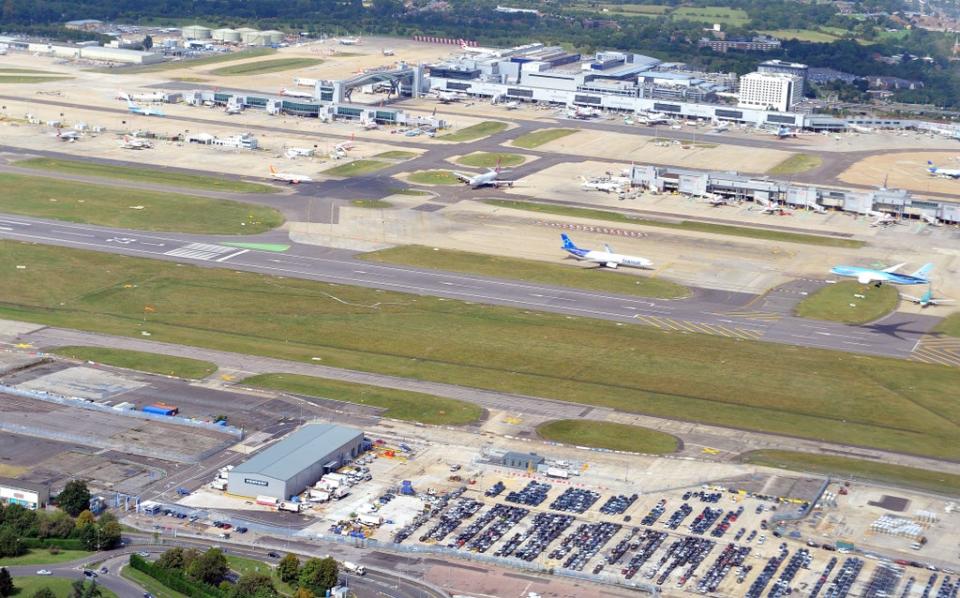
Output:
x=396 y=155
x=128 y=208
x=711 y=14
x=795 y=164
x=42 y=556
x=376 y=204
x=803 y=35
x=30 y=78
x=410 y=192
x=491 y=159
x=150 y=584
x=839 y=303
x=27 y=585
x=527 y=271
x=477 y=131
x=190 y=63
x=434 y=177
x=265 y=66
x=154 y=363
x=847 y=398
x=950 y=325
x=10 y=69
x=145 y=175
x=399 y=404
x=356 y=168
x=608 y=435
x=538 y=138
x=243 y=565
x=688 y=225
x=897 y=475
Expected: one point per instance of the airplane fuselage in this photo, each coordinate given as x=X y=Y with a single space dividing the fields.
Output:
x=609 y=260
x=869 y=275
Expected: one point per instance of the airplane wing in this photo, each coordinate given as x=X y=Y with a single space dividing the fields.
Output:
x=910 y=297
x=892 y=269
x=466 y=178
x=502 y=183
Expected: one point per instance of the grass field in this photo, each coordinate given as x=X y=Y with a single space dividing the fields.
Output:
x=527 y=271
x=154 y=363
x=145 y=175
x=398 y=404
x=190 y=63
x=11 y=69
x=243 y=565
x=608 y=435
x=356 y=168
x=150 y=584
x=26 y=586
x=260 y=67
x=490 y=160
x=538 y=138
x=950 y=325
x=796 y=164
x=898 y=475
x=42 y=556
x=131 y=208
x=31 y=78
x=833 y=302
x=712 y=14
x=376 y=204
x=803 y=35
x=689 y=225
x=410 y=192
x=847 y=398
x=396 y=155
x=434 y=177
x=477 y=131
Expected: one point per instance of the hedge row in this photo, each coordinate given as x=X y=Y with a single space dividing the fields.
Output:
x=61 y=543
x=174 y=579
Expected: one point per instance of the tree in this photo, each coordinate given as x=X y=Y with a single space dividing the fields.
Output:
x=6 y=582
x=85 y=518
x=254 y=585
x=171 y=559
x=10 y=544
x=210 y=567
x=288 y=569
x=56 y=525
x=110 y=531
x=44 y=593
x=303 y=592
x=21 y=520
x=80 y=589
x=319 y=575
x=147 y=42
x=75 y=497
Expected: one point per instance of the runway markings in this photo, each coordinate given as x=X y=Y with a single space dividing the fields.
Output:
x=206 y=252
x=764 y=316
x=590 y=228
x=941 y=351
x=699 y=327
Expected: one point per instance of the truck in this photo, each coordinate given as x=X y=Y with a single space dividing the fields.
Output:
x=292 y=507
x=319 y=495
x=267 y=501
x=218 y=484
x=354 y=568
x=339 y=493
x=369 y=519
x=556 y=472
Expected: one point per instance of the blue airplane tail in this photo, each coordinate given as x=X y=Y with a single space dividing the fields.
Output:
x=567 y=242
x=923 y=271
x=931 y=166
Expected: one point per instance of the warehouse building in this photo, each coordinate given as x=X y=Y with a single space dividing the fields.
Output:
x=26 y=494
x=525 y=461
x=297 y=461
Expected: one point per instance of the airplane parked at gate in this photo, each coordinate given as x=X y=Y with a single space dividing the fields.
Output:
x=606 y=258
x=293 y=93
x=153 y=96
x=926 y=298
x=135 y=109
x=878 y=277
x=289 y=177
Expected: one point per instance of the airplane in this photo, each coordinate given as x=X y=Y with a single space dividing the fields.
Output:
x=771 y=207
x=871 y=275
x=350 y=41
x=582 y=113
x=926 y=298
x=719 y=126
x=133 y=143
x=860 y=128
x=340 y=150
x=299 y=152
x=719 y=201
x=154 y=96
x=931 y=220
x=491 y=177
x=288 y=177
x=512 y=105
x=607 y=184
x=370 y=125
x=783 y=132
x=233 y=109
x=882 y=218
x=446 y=97
x=293 y=93
x=654 y=118
x=605 y=258
x=388 y=51
x=479 y=50
x=947 y=173
x=303 y=82
x=68 y=136
x=132 y=106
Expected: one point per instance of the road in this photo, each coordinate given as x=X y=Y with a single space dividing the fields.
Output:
x=707 y=311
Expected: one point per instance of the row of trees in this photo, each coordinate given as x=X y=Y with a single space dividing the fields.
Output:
x=78 y=589
x=312 y=578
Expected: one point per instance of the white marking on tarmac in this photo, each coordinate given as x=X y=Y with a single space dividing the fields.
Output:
x=539 y=296
x=226 y=257
x=66 y=232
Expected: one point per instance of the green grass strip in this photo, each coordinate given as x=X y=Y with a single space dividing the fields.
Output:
x=796 y=164
x=491 y=159
x=608 y=435
x=357 y=168
x=541 y=137
x=189 y=63
x=154 y=363
x=840 y=303
x=265 y=66
x=477 y=131
x=434 y=177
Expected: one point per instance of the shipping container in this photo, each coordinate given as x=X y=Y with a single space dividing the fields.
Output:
x=267 y=501
x=161 y=409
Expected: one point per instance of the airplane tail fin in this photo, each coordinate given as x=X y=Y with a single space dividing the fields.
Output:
x=567 y=242
x=923 y=271
x=273 y=170
x=931 y=167
x=498 y=166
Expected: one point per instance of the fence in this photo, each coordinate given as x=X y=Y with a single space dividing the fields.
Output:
x=49 y=397
x=450 y=41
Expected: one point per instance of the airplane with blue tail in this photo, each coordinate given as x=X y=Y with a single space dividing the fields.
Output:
x=890 y=275
x=135 y=109
x=606 y=258
x=926 y=298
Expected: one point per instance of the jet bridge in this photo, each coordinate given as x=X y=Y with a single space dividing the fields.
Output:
x=408 y=79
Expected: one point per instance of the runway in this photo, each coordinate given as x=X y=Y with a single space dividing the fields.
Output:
x=721 y=313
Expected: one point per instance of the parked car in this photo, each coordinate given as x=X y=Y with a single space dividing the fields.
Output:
x=44 y=572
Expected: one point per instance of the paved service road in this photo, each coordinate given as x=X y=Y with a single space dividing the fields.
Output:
x=710 y=312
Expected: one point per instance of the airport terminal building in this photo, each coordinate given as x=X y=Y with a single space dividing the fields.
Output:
x=299 y=460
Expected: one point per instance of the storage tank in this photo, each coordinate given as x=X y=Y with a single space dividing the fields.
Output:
x=247 y=34
x=232 y=36
x=256 y=38
x=219 y=34
x=196 y=32
x=273 y=36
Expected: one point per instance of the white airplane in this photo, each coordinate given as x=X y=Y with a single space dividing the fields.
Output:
x=299 y=152
x=153 y=96
x=370 y=125
x=446 y=97
x=350 y=41
x=931 y=220
x=947 y=173
x=491 y=178
x=605 y=258
x=860 y=128
x=582 y=113
x=783 y=132
x=233 y=109
x=293 y=93
x=606 y=184
x=303 y=82
x=479 y=50
x=817 y=208
x=771 y=207
x=881 y=218
x=289 y=177
x=718 y=201
x=133 y=143
x=388 y=52
x=719 y=126
x=133 y=108
x=926 y=298
x=511 y=105
x=68 y=136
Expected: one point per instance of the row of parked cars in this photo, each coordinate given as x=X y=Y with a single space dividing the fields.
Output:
x=847 y=575
x=451 y=518
x=575 y=500
x=528 y=545
x=769 y=570
x=646 y=543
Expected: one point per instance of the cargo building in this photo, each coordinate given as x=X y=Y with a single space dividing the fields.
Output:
x=26 y=494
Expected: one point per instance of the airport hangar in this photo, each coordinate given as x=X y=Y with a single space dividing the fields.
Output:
x=299 y=460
